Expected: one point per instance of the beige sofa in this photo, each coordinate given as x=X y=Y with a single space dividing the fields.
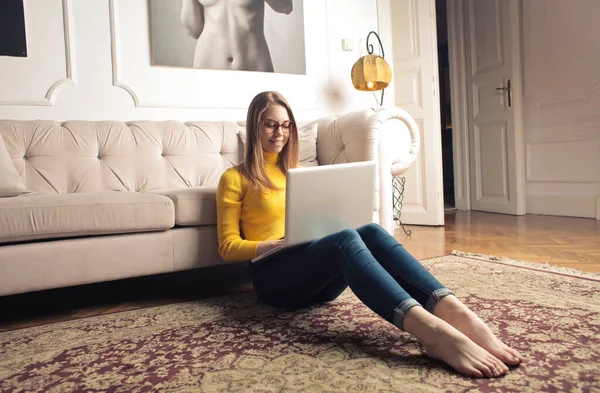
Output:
x=94 y=201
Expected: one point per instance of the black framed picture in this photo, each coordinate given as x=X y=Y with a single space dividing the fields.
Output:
x=13 y=40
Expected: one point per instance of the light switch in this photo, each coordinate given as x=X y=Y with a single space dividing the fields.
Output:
x=348 y=44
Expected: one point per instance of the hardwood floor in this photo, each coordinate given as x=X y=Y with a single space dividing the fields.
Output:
x=560 y=241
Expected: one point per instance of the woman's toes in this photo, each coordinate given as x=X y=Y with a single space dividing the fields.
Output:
x=487 y=370
x=499 y=366
x=511 y=357
x=473 y=372
x=497 y=370
x=515 y=355
x=493 y=372
x=502 y=369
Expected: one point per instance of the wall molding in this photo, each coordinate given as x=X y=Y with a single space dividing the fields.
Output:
x=563 y=205
x=69 y=55
x=69 y=79
x=566 y=112
x=573 y=103
x=556 y=37
x=577 y=131
x=117 y=80
x=569 y=169
x=115 y=58
x=319 y=78
x=570 y=142
x=558 y=120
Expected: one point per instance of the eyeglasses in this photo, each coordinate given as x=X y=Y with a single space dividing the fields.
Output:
x=272 y=125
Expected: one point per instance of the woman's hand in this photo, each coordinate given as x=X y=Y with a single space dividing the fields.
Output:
x=268 y=245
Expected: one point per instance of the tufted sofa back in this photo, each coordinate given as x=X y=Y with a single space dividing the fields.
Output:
x=88 y=156
x=146 y=156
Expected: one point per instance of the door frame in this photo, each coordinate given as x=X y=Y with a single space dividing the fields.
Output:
x=414 y=214
x=458 y=99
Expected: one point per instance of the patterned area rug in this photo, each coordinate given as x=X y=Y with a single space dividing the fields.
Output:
x=235 y=344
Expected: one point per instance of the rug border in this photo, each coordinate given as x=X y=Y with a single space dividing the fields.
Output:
x=534 y=266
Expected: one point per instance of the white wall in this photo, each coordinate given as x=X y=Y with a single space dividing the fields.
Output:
x=561 y=56
x=89 y=59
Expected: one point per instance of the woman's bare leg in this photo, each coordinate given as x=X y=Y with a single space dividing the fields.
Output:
x=444 y=342
x=453 y=311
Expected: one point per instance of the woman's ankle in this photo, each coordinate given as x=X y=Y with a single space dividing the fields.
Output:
x=423 y=325
x=450 y=308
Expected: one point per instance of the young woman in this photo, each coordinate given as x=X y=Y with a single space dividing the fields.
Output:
x=382 y=274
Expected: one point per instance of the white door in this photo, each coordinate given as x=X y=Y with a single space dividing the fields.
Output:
x=415 y=83
x=494 y=105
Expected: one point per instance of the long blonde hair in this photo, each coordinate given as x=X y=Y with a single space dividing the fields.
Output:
x=253 y=165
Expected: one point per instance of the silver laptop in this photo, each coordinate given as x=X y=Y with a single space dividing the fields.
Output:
x=326 y=199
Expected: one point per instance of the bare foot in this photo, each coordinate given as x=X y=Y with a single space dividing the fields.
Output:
x=453 y=311
x=444 y=342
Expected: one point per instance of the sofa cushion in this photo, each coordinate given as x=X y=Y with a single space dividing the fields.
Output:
x=193 y=206
x=44 y=216
x=10 y=181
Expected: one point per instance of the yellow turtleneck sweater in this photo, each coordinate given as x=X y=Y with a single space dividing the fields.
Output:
x=245 y=217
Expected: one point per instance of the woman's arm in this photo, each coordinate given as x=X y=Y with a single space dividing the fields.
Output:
x=229 y=208
x=192 y=17
x=281 y=6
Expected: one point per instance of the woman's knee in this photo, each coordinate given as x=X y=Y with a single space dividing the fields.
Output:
x=371 y=230
x=348 y=242
x=373 y=234
x=346 y=235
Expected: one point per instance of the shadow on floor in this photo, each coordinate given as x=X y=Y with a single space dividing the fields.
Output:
x=54 y=305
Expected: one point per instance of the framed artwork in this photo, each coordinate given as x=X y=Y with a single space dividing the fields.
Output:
x=13 y=40
x=238 y=35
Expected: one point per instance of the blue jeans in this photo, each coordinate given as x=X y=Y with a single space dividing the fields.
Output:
x=378 y=269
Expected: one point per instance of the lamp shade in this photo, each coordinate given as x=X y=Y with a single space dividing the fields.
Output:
x=371 y=73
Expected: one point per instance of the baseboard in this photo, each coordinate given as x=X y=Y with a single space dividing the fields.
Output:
x=564 y=205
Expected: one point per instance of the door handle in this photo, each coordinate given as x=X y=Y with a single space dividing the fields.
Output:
x=509 y=90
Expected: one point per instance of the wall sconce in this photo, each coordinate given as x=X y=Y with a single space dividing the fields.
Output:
x=371 y=72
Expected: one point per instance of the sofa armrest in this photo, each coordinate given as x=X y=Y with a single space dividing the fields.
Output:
x=390 y=137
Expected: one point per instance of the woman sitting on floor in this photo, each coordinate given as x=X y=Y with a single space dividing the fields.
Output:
x=378 y=269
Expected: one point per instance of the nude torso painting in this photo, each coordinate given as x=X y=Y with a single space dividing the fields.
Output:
x=230 y=33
